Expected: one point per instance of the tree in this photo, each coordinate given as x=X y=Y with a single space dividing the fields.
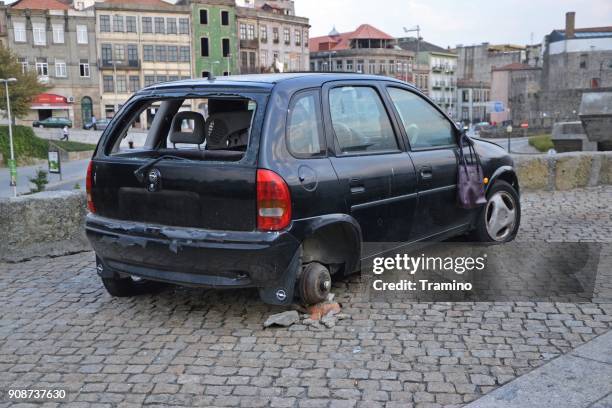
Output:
x=21 y=92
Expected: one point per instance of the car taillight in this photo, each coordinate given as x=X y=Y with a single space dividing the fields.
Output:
x=88 y=182
x=273 y=201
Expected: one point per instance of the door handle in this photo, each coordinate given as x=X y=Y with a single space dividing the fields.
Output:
x=426 y=172
x=356 y=186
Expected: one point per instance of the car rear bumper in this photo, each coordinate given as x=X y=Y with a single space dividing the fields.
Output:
x=196 y=257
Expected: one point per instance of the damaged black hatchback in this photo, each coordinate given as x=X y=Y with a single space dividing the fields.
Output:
x=276 y=181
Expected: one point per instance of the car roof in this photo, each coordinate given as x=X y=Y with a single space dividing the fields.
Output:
x=270 y=80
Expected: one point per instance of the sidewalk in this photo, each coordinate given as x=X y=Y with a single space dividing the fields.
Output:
x=581 y=378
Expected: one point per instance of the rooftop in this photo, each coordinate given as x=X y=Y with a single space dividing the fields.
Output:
x=582 y=33
x=411 y=44
x=39 y=5
x=342 y=41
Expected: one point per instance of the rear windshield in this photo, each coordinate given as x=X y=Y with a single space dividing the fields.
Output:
x=210 y=128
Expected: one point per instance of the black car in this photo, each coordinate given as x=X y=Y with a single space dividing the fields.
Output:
x=277 y=181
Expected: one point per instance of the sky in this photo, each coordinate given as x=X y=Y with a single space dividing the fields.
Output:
x=453 y=22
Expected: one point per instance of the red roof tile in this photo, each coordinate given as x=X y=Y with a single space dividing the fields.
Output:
x=39 y=5
x=153 y=3
x=343 y=40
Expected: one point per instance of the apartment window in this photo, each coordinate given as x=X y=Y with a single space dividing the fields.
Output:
x=204 y=47
x=149 y=80
x=298 y=37
x=287 y=36
x=160 y=28
x=224 y=17
x=183 y=26
x=263 y=58
x=132 y=54
x=338 y=65
x=251 y=32
x=184 y=54
x=275 y=35
x=60 y=69
x=24 y=65
x=20 y=31
x=349 y=65
x=160 y=53
x=360 y=66
x=372 y=67
x=119 y=53
x=243 y=31
x=84 y=68
x=171 y=26
x=147 y=25
x=107 y=53
x=583 y=61
x=225 y=45
x=134 y=83
x=58 y=33
x=121 y=83
x=203 y=16
x=108 y=85
x=40 y=35
x=118 y=24
x=147 y=53
x=205 y=74
x=263 y=35
x=105 y=25
x=42 y=68
x=130 y=24
x=161 y=78
x=82 y=36
x=172 y=53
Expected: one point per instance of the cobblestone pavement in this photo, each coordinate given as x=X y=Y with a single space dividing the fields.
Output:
x=186 y=347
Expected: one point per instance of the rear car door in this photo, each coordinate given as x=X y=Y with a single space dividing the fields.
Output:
x=432 y=139
x=367 y=152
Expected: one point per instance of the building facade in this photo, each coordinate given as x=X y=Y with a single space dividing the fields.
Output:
x=214 y=37
x=516 y=89
x=272 y=38
x=575 y=60
x=139 y=44
x=59 y=42
x=366 y=50
x=436 y=72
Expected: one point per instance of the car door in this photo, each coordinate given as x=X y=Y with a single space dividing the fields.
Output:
x=432 y=140
x=368 y=150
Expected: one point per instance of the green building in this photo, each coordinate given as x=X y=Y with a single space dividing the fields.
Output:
x=215 y=45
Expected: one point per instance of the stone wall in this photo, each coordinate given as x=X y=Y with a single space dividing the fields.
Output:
x=563 y=171
x=44 y=224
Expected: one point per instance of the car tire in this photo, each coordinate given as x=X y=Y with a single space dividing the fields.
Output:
x=499 y=220
x=314 y=283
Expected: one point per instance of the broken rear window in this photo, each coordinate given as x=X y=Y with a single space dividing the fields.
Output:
x=211 y=128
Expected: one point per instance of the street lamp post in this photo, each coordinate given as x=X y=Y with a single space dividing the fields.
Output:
x=12 y=166
x=212 y=68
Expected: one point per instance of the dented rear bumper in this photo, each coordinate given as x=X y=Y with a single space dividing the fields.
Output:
x=196 y=257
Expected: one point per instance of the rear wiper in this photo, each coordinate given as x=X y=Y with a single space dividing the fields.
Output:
x=139 y=172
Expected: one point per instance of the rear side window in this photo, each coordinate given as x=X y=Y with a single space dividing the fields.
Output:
x=304 y=130
x=424 y=125
x=360 y=121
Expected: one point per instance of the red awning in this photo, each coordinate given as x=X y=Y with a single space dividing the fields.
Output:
x=51 y=100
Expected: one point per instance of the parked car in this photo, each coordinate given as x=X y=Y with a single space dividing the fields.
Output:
x=100 y=124
x=52 y=122
x=282 y=184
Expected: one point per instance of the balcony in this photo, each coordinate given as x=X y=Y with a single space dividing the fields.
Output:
x=125 y=64
x=252 y=43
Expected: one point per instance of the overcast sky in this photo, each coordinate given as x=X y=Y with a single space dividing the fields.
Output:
x=452 y=22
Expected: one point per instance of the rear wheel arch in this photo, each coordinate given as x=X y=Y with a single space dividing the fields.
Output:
x=335 y=243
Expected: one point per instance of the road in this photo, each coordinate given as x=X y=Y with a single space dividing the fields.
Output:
x=72 y=173
x=59 y=329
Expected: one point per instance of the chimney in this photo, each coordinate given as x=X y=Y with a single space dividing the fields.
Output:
x=570 y=24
